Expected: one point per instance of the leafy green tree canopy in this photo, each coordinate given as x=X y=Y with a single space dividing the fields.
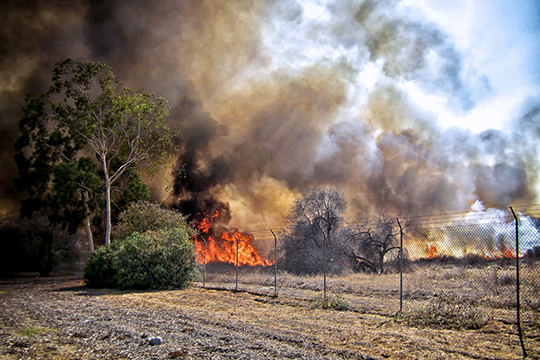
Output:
x=86 y=112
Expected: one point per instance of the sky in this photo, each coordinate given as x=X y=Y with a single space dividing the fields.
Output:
x=411 y=106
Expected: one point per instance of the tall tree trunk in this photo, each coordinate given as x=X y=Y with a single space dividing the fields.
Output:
x=107 y=210
x=107 y=202
x=89 y=234
x=87 y=223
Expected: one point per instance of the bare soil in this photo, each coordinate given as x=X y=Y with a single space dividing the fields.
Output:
x=58 y=318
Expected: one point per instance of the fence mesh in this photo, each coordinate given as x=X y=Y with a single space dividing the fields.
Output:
x=473 y=260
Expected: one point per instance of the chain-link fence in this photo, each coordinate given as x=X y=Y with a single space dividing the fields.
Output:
x=486 y=261
x=235 y=271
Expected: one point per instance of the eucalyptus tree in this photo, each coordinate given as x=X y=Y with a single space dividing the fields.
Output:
x=76 y=195
x=87 y=114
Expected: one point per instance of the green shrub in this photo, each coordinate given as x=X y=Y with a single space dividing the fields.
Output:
x=29 y=332
x=143 y=216
x=156 y=260
x=153 y=260
x=100 y=271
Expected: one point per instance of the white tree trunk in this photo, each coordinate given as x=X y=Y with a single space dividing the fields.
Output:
x=107 y=202
x=87 y=224
x=107 y=210
x=89 y=234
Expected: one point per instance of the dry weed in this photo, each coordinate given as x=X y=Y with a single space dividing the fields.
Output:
x=331 y=301
x=446 y=313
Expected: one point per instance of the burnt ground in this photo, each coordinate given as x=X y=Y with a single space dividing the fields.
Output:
x=57 y=318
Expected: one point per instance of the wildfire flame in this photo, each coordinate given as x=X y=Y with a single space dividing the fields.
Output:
x=431 y=251
x=503 y=251
x=206 y=223
x=485 y=236
x=224 y=248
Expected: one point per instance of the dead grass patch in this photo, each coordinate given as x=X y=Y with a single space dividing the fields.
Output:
x=446 y=313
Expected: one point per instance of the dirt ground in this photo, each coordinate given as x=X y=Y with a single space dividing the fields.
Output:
x=58 y=318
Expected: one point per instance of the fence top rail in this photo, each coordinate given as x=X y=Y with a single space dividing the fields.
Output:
x=478 y=216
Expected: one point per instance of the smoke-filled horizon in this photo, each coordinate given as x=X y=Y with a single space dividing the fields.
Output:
x=272 y=97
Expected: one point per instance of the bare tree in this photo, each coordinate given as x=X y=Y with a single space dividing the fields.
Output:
x=369 y=242
x=309 y=242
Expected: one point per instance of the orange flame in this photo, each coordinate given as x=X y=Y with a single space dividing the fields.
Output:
x=502 y=251
x=224 y=248
x=506 y=251
x=431 y=251
x=206 y=223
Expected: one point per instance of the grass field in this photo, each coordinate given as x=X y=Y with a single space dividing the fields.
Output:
x=489 y=288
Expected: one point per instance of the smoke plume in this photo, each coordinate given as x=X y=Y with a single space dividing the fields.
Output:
x=268 y=101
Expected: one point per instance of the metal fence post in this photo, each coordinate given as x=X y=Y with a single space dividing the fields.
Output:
x=204 y=264
x=400 y=266
x=236 y=288
x=324 y=268
x=518 y=305
x=275 y=262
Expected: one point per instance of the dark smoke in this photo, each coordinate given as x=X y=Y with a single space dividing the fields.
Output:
x=194 y=189
x=254 y=133
x=33 y=35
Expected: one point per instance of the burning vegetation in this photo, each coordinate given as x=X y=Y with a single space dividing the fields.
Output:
x=216 y=243
x=226 y=246
x=318 y=239
x=503 y=251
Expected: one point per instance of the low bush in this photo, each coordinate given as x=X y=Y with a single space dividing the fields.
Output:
x=331 y=301
x=152 y=260
x=533 y=253
x=156 y=260
x=446 y=313
x=100 y=271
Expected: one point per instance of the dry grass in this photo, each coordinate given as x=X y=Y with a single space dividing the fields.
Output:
x=443 y=305
x=446 y=313
x=209 y=324
x=330 y=301
x=491 y=289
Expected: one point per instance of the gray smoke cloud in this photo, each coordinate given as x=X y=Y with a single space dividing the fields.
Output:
x=255 y=131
